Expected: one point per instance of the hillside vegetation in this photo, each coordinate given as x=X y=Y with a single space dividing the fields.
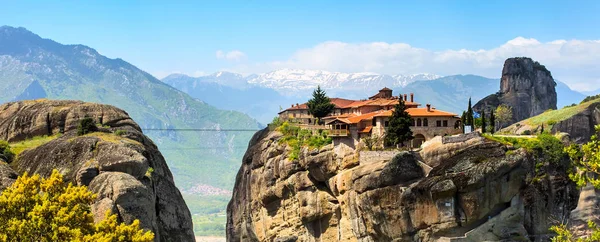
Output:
x=548 y=118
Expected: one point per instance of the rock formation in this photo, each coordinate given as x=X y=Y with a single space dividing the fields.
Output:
x=580 y=126
x=119 y=163
x=577 y=124
x=463 y=188
x=526 y=86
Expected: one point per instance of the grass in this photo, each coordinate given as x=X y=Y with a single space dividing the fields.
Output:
x=297 y=138
x=110 y=137
x=546 y=146
x=19 y=147
x=555 y=116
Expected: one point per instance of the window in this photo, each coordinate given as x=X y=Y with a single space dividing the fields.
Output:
x=294 y=115
x=425 y=123
x=413 y=122
x=387 y=123
x=438 y=123
x=445 y=123
x=418 y=122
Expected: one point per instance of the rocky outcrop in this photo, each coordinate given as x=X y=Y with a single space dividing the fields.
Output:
x=119 y=163
x=580 y=126
x=576 y=123
x=475 y=190
x=526 y=86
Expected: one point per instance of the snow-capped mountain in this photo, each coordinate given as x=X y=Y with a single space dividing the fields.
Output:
x=294 y=80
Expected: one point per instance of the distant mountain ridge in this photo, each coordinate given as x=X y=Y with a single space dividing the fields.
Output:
x=263 y=95
x=32 y=67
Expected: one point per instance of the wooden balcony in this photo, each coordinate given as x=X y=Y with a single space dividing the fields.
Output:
x=338 y=132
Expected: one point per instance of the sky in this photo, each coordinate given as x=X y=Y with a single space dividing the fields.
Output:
x=387 y=37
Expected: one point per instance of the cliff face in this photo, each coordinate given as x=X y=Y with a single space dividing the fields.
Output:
x=580 y=126
x=526 y=86
x=578 y=122
x=119 y=163
x=466 y=189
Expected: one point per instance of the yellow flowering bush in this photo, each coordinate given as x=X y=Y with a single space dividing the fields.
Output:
x=47 y=209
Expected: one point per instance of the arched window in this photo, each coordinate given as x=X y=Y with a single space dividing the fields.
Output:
x=412 y=121
x=418 y=122
x=425 y=123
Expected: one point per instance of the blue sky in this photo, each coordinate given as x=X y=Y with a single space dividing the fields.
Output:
x=185 y=37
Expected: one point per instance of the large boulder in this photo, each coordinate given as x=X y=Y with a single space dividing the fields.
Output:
x=526 y=86
x=475 y=190
x=118 y=162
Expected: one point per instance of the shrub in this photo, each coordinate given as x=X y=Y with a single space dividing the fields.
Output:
x=552 y=122
x=120 y=132
x=590 y=98
x=296 y=138
x=527 y=132
x=149 y=172
x=38 y=209
x=86 y=125
x=5 y=153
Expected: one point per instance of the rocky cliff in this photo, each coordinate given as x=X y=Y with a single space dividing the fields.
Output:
x=118 y=162
x=463 y=188
x=577 y=121
x=526 y=86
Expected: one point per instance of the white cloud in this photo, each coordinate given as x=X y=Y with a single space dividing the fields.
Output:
x=234 y=55
x=575 y=62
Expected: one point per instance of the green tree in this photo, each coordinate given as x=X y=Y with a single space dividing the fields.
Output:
x=470 y=114
x=483 y=124
x=587 y=161
x=38 y=209
x=399 y=129
x=463 y=119
x=5 y=153
x=492 y=122
x=85 y=126
x=320 y=105
x=503 y=115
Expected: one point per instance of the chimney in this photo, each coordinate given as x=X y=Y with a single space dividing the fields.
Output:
x=412 y=97
x=297 y=105
x=405 y=97
x=428 y=107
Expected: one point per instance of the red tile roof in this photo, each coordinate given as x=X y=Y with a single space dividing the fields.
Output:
x=420 y=112
x=378 y=102
x=366 y=129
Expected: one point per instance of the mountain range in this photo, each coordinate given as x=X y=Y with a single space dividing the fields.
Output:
x=32 y=67
x=263 y=96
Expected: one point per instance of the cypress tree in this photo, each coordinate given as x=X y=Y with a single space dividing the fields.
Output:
x=399 y=130
x=483 y=124
x=463 y=120
x=492 y=122
x=320 y=105
x=470 y=115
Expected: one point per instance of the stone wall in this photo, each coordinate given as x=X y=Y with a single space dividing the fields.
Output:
x=376 y=156
x=460 y=138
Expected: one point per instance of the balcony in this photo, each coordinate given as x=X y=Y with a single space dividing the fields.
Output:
x=338 y=133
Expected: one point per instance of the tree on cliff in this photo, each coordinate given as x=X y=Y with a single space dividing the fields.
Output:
x=492 y=122
x=503 y=115
x=483 y=124
x=463 y=119
x=399 y=130
x=587 y=161
x=320 y=105
x=38 y=209
x=469 y=117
